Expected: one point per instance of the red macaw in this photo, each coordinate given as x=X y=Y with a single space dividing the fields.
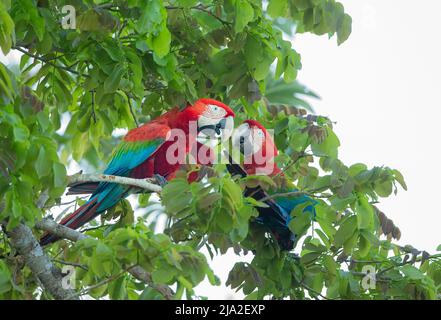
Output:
x=259 y=150
x=145 y=152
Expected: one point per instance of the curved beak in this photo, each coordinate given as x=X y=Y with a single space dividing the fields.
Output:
x=223 y=129
x=228 y=127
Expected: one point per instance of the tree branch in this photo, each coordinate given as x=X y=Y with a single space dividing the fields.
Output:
x=146 y=184
x=23 y=240
x=52 y=227
x=293 y=194
x=49 y=61
x=202 y=9
x=144 y=276
x=73 y=235
x=131 y=109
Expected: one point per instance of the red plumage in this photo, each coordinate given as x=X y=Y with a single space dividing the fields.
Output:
x=143 y=153
x=265 y=164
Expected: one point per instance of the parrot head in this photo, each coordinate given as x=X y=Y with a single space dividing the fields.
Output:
x=251 y=137
x=214 y=119
x=257 y=146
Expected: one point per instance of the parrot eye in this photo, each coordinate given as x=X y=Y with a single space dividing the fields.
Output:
x=260 y=133
x=215 y=111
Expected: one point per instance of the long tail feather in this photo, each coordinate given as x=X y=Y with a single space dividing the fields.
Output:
x=82 y=188
x=76 y=219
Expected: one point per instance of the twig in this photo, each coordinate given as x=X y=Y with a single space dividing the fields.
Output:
x=131 y=109
x=92 y=92
x=99 y=284
x=67 y=263
x=50 y=62
x=292 y=194
x=203 y=9
x=63 y=203
x=95 y=228
x=314 y=291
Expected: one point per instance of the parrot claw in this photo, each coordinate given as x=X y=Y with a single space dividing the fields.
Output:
x=160 y=180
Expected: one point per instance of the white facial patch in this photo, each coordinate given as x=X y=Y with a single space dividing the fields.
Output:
x=214 y=112
x=215 y=116
x=248 y=140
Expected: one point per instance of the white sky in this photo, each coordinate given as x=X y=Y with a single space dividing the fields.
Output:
x=383 y=89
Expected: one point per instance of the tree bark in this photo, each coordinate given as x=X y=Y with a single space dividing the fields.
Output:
x=140 y=183
x=23 y=240
x=137 y=271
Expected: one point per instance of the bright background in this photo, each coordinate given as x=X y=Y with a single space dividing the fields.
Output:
x=383 y=88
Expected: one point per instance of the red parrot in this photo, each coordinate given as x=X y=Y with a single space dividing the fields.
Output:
x=259 y=150
x=152 y=150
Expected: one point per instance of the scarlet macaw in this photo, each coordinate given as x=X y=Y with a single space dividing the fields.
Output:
x=145 y=152
x=259 y=150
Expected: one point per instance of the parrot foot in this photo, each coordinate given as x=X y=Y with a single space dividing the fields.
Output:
x=160 y=180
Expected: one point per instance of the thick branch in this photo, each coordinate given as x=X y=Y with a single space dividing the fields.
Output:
x=41 y=266
x=73 y=235
x=140 y=183
x=144 y=276
x=63 y=232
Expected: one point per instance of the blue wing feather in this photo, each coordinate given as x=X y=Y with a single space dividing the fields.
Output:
x=128 y=156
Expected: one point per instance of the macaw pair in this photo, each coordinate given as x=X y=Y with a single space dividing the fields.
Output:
x=259 y=151
x=144 y=153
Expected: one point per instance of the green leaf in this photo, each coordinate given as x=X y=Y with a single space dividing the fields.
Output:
x=384 y=188
x=412 y=272
x=346 y=231
x=161 y=43
x=5 y=278
x=162 y=275
x=344 y=29
x=89 y=21
x=244 y=15
x=329 y=147
x=151 y=17
x=365 y=213
x=7 y=30
x=21 y=133
x=277 y=8
x=117 y=289
x=357 y=168
x=59 y=175
x=113 y=81
x=43 y=164
x=399 y=177
x=310 y=257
